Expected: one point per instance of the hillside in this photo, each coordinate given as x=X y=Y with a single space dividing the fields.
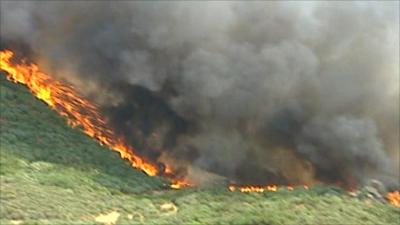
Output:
x=51 y=173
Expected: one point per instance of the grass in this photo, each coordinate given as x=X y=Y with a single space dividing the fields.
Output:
x=53 y=174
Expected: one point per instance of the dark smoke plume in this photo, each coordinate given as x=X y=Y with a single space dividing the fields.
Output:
x=259 y=92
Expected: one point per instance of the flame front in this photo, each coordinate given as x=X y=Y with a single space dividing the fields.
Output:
x=259 y=188
x=253 y=188
x=394 y=198
x=178 y=184
x=79 y=112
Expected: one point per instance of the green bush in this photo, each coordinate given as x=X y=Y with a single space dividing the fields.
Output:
x=51 y=173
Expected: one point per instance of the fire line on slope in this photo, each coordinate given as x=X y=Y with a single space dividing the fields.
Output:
x=78 y=111
x=259 y=188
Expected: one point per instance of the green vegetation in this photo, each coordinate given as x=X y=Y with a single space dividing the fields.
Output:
x=53 y=174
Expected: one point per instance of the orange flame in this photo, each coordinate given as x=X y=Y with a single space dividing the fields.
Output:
x=79 y=112
x=394 y=198
x=259 y=188
x=180 y=184
x=247 y=189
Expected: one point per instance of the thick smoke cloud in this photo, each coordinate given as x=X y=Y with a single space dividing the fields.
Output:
x=258 y=92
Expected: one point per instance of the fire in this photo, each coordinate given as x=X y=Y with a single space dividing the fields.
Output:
x=78 y=111
x=394 y=198
x=260 y=188
x=180 y=184
x=253 y=188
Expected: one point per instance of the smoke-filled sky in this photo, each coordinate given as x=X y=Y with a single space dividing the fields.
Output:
x=259 y=92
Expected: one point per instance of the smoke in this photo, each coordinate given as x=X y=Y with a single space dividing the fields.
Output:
x=287 y=92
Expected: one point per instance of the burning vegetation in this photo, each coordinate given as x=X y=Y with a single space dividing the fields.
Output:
x=394 y=198
x=253 y=188
x=235 y=98
x=261 y=188
x=265 y=109
x=79 y=112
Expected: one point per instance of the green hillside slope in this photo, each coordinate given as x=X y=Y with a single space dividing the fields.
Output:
x=53 y=174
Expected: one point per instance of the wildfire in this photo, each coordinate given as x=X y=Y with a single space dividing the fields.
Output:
x=394 y=198
x=180 y=184
x=259 y=188
x=78 y=111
